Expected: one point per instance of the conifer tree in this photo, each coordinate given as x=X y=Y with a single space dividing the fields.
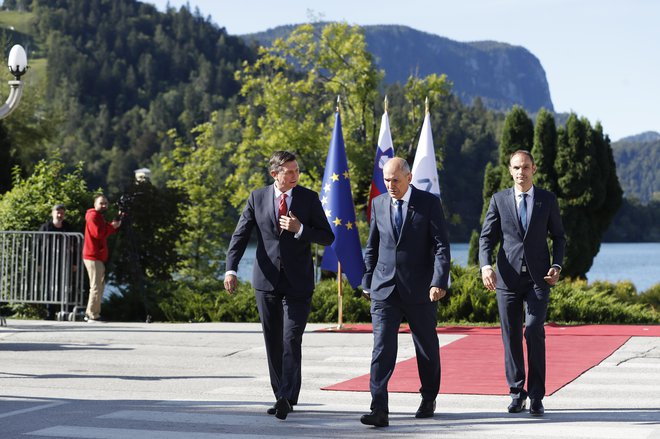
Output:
x=545 y=151
x=588 y=189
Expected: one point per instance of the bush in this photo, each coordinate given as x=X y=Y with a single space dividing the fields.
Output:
x=468 y=302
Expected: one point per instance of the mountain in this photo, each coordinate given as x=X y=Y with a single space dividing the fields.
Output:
x=500 y=74
x=647 y=136
x=638 y=166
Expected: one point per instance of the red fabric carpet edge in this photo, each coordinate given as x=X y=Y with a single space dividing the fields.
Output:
x=550 y=330
x=475 y=364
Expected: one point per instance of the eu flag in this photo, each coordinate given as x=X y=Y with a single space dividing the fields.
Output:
x=337 y=201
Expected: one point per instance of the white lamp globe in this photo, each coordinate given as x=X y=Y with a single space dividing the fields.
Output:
x=17 y=61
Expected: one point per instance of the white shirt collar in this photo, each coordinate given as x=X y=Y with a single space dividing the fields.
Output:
x=530 y=192
x=279 y=192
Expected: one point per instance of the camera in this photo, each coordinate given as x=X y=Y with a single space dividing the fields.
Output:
x=125 y=204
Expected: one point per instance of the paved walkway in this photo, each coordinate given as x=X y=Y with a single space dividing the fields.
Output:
x=198 y=381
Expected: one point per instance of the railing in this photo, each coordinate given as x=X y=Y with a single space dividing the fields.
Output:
x=42 y=267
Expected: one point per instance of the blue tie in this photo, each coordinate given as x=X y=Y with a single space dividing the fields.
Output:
x=398 y=218
x=523 y=212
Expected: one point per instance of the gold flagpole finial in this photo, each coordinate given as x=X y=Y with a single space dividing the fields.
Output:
x=338 y=102
x=385 y=103
x=426 y=103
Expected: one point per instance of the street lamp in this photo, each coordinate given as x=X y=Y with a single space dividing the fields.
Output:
x=17 y=66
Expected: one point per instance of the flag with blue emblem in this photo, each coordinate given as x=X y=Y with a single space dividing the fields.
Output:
x=424 y=168
x=337 y=201
x=384 y=152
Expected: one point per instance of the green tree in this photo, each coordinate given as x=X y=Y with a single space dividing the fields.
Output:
x=290 y=95
x=588 y=190
x=199 y=174
x=28 y=204
x=545 y=150
x=144 y=255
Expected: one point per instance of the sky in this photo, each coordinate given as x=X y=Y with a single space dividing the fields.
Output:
x=601 y=57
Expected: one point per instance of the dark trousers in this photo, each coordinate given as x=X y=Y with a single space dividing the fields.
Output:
x=511 y=304
x=386 y=316
x=283 y=319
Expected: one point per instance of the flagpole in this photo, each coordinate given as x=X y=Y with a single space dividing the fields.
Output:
x=340 y=292
x=340 y=299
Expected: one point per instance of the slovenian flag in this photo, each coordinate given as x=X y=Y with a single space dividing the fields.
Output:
x=384 y=152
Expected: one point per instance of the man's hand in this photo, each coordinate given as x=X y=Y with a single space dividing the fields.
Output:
x=489 y=278
x=553 y=276
x=290 y=222
x=230 y=283
x=436 y=293
x=116 y=224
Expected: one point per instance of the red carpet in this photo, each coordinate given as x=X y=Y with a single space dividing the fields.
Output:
x=475 y=364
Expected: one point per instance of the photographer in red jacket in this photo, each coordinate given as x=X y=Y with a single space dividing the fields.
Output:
x=95 y=253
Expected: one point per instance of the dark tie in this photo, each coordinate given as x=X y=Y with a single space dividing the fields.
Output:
x=398 y=218
x=281 y=209
x=523 y=212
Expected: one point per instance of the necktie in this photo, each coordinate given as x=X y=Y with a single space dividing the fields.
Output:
x=281 y=209
x=398 y=218
x=523 y=212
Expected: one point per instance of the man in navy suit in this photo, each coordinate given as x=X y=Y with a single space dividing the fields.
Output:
x=407 y=270
x=521 y=218
x=287 y=219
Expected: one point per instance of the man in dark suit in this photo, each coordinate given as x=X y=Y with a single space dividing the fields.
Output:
x=522 y=218
x=407 y=270
x=287 y=219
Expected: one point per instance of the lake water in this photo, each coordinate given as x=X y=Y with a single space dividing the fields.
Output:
x=636 y=262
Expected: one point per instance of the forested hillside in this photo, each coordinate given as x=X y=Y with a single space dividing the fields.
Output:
x=120 y=74
x=115 y=84
x=638 y=166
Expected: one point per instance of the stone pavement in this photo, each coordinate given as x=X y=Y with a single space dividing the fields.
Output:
x=199 y=381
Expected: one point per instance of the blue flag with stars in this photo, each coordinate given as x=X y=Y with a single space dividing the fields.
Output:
x=337 y=201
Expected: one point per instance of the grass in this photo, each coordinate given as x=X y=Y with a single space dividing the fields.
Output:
x=20 y=21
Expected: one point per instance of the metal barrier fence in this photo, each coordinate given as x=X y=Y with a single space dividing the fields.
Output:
x=42 y=267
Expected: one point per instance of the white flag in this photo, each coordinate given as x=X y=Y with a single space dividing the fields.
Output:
x=424 y=170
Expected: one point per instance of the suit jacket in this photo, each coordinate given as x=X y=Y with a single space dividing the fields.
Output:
x=502 y=224
x=416 y=262
x=277 y=250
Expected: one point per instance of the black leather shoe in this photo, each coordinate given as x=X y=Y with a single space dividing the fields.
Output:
x=517 y=404
x=282 y=408
x=536 y=407
x=426 y=409
x=272 y=410
x=377 y=418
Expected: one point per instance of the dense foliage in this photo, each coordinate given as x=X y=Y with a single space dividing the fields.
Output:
x=120 y=74
x=468 y=302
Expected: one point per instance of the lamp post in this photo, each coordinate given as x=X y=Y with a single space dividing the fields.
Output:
x=17 y=66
